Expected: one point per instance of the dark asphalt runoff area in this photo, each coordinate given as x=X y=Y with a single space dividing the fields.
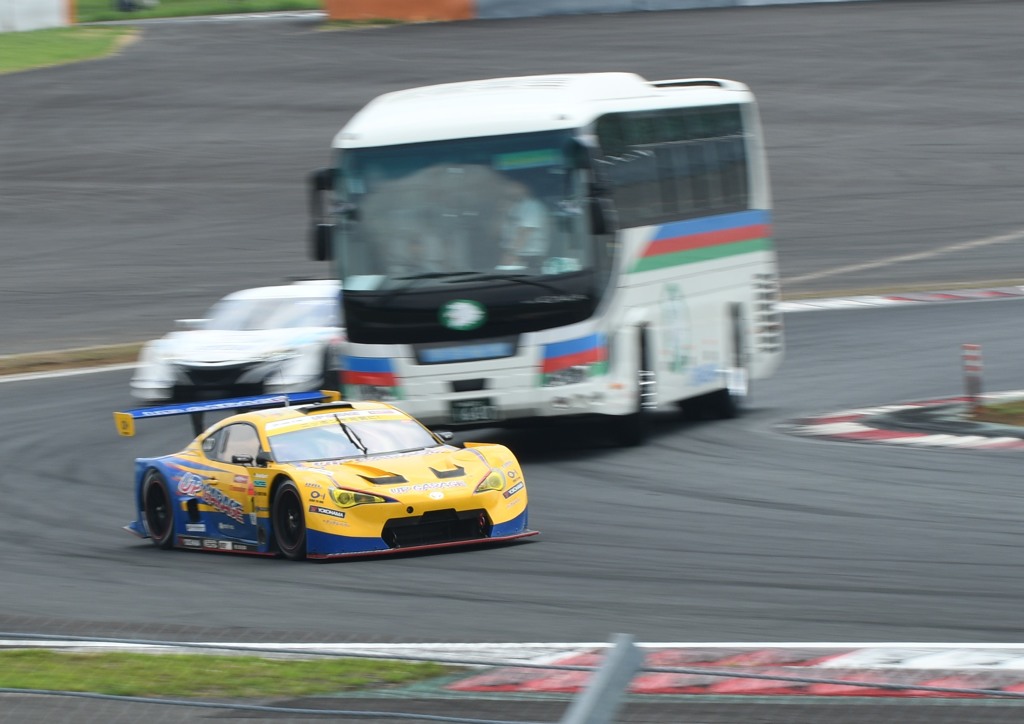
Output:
x=140 y=188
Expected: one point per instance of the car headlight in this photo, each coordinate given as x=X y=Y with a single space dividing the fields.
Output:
x=350 y=498
x=279 y=354
x=494 y=481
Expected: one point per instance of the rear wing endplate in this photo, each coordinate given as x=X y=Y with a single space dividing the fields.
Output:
x=125 y=421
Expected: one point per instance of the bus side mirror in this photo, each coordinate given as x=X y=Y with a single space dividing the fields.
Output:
x=320 y=182
x=602 y=215
x=323 y=179
x=321 y=242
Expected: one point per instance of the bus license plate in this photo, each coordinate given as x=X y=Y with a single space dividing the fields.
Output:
x=476 y=410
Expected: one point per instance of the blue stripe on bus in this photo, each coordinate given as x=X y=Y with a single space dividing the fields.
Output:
x=712 y=223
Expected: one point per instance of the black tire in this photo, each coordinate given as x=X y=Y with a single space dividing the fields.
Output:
x=288 y=519
x=158 y=510
x=727 y=404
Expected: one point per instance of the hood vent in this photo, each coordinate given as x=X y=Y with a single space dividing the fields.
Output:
x=384 y=479
x=454 y=473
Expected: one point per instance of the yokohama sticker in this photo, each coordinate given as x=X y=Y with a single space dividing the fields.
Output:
x=326 y=511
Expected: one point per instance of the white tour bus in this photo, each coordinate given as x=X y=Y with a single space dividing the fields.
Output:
x=550 y=246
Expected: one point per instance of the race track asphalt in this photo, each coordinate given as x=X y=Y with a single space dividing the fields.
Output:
x=140 y=188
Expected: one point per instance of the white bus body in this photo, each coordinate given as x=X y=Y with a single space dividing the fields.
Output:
x=551 y=246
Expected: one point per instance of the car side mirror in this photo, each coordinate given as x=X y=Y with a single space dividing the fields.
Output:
x=263 y=459
x=446 y=435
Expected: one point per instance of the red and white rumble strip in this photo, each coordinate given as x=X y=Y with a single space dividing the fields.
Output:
x=827 y=667
x=895 y=300
x=943 y=669
x=869 y=424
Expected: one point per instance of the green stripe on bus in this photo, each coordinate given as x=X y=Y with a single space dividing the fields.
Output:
x=705 y=254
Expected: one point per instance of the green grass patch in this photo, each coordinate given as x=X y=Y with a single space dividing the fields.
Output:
x=201 y=676
x=57 y=46
x=70 y=359
x=1004 y=413
x=91 y=11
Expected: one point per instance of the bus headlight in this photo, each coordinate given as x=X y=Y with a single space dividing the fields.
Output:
x=375 y=392
x=569 y=376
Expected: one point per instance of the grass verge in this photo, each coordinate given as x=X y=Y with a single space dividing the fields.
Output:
x=70 y=359
x=92 y=11
x=1003 y=413
x=59 y=46
x=203 y=676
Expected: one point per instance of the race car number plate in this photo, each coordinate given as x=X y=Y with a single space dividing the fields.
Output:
x=479 y=409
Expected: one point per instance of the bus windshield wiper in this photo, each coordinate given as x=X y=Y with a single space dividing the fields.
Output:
x=433 y=275
x=506 y=277
x=411 y=281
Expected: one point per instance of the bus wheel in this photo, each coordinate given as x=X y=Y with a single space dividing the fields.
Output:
x=633 y=429
x=731 y=401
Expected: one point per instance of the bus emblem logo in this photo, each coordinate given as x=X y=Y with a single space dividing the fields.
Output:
x=462 y=314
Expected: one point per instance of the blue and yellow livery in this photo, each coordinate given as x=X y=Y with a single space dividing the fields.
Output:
x=307 y=475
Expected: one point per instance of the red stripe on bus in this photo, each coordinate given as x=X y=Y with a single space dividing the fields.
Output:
x=383 y=379
x=587 y=356
x=706 y=239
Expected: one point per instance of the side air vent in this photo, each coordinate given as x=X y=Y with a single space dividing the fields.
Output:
x=689 y=83
x=326 y=406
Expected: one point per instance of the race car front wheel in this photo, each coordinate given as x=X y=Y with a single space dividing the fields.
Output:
x=289 y=521
x=158 y=510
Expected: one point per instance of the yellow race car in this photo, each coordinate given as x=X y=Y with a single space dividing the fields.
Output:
x=306 y=475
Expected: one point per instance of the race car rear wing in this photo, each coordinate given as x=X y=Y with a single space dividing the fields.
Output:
x=125 y=421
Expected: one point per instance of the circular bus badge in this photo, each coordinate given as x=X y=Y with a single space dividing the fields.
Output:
x=462 y=314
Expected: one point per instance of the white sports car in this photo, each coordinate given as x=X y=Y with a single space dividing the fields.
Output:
x=264 y=340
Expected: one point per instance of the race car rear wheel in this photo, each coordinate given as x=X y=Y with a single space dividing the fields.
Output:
x=158 y=510
x=289 y=521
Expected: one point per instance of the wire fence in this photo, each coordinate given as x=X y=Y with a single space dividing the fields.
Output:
x=619 y=682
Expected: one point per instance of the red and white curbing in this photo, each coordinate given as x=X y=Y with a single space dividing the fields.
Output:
x=868 y=424
x=799 y=669
x=942 y=671
x=894 y=300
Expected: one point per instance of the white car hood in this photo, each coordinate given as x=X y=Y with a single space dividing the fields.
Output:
x=211 y=346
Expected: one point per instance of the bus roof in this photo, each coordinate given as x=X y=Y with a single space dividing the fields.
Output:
x=521 y=105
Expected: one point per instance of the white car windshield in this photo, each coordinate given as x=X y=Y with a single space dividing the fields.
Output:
x=271 y=313
x=351 y=439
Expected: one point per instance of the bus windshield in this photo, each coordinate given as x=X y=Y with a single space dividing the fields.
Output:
x=460 y=210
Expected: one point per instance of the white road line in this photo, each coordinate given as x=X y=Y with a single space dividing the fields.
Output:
x=1011 y=237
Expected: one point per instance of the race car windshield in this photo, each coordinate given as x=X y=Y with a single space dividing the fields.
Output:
x=284 y=313
x=351 y=440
